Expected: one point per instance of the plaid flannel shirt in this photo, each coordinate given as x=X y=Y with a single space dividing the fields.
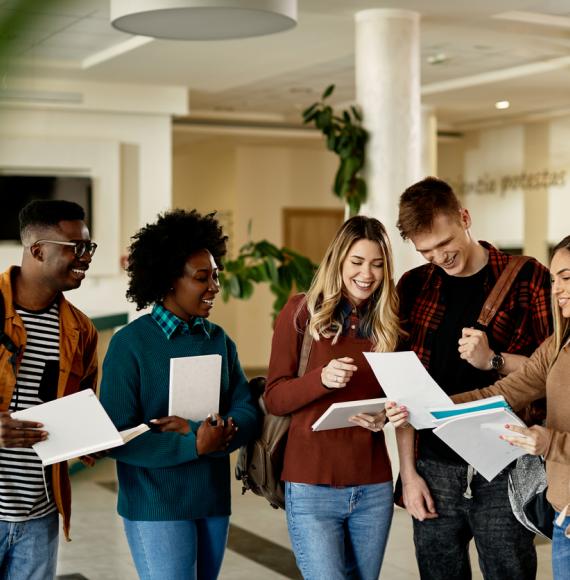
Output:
x=170 y=323
x=521 y=324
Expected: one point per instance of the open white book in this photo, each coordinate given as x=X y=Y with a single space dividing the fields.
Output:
x=338 y=414
x=76 y=425
x=475 y=437
x=195 y=386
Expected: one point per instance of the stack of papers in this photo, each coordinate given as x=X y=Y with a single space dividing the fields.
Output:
x=471 y=429
x=475 y=437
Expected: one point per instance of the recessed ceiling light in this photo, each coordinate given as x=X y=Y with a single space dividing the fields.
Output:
x=502 y=105
x=437 y=58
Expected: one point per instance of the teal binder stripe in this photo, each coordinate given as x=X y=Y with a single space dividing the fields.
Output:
x=456 y=412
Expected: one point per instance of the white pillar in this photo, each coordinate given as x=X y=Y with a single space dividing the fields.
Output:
x=429 y=142
x=388 y=91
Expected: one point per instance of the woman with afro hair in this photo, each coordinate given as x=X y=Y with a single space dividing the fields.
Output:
x=174 y=485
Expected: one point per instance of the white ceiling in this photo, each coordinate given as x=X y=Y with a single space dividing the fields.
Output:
x=525 y=60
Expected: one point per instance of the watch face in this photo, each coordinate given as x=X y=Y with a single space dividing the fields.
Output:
x=497 y=362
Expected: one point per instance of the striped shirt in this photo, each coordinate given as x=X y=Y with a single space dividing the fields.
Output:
x=22 y=490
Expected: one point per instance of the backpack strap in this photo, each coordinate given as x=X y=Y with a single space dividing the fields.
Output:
x=500 y=289
x=305 y=351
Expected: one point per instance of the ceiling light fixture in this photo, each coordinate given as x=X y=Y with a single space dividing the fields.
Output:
x=203 y=19
x=502 y=105
x=438 y=58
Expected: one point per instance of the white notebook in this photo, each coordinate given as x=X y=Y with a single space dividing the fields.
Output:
x=475 y=437
x=338 y=414
x=195 y=386
x=76 y=425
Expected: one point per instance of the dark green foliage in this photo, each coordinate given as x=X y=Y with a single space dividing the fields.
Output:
x=262 y=262
x=345 y=136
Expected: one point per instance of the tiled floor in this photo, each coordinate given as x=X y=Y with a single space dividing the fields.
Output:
x=99 y=551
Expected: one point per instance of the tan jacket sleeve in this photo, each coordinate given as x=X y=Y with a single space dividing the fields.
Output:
x=526 y=384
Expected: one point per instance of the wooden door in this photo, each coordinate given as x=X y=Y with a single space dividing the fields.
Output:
x=309 y=231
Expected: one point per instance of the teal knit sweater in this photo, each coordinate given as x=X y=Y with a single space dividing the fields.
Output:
x=161 y=477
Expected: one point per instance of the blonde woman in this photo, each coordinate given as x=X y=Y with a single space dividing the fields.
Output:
x=338 y=483
x=546 y=373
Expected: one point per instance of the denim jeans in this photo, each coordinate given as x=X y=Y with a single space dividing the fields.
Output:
x=339 y=533
x=505 y=548
x=28 y=550
x=561 y=550
x=178 y=550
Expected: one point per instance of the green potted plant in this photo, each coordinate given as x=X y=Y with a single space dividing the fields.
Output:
x=263 y=262
x=346 y=136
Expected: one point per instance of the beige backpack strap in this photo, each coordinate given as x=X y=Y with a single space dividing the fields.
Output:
x=501 y=289
x=305 y=351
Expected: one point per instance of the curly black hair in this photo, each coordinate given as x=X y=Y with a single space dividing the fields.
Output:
x=159 y=251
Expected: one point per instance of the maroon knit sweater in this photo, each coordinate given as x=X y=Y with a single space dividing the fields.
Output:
x=338 y=457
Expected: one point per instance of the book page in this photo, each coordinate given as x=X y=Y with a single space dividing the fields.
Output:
x=338 y=414
x=129 y=434
x=405 y=380
x=76 y=424
x=195 y=386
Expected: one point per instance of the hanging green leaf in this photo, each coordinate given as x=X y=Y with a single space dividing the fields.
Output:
x=328 y=92
x=346 y=136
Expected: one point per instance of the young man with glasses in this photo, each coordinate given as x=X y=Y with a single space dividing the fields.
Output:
x=48 y=351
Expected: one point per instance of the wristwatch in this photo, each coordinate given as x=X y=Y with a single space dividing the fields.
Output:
x=497 y=362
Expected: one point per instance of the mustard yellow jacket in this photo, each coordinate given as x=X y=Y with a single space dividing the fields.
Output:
x=77 y=371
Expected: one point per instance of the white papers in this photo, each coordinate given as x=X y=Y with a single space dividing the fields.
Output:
x=338 y=414
x=405 y=380
x=475 y=437
x=76 y=425
x=195 y=386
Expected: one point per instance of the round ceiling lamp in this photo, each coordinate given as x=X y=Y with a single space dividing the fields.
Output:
x=203 y=19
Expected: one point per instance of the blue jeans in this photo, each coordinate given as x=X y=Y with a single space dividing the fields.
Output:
x=561 y=551
x=178 y=550
x=339 y=533
x=505 y=548
x=28 y=550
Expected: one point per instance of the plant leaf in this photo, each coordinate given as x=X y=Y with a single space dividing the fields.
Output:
x=357 y=114
x=328 y=92
x=309 y=110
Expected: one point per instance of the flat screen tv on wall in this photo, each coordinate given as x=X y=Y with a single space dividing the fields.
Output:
x=17 y=190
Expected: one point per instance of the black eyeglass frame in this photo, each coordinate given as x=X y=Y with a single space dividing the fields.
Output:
x=79 y=246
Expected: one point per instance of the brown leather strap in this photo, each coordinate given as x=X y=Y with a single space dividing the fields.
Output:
x=305 y=351
x=500 y=289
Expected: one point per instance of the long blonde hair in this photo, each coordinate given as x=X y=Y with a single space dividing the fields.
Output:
x=561 y=324
x=380 y=321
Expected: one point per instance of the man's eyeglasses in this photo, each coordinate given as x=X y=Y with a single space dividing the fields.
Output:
x=79 y=248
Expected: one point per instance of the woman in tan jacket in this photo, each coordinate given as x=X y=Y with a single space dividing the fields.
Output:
x=546 y=373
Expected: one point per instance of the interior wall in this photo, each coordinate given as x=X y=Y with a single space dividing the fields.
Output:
x=499 y=173
x=142 y=176
x=250 y=181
